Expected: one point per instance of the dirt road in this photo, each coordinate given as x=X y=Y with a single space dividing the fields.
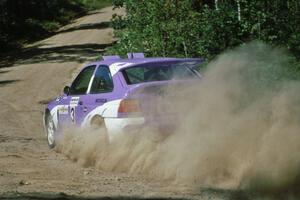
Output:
x=28 y=79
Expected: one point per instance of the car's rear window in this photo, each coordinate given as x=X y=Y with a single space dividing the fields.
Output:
x=158 y=72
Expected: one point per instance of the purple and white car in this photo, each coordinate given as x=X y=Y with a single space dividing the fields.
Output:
x=117 y=94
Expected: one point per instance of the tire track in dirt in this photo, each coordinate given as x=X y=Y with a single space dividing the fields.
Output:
x=12 y=118
x=27 y=80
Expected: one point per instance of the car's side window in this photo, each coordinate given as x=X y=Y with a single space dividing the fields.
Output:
x=102 y=81
x=81 y=83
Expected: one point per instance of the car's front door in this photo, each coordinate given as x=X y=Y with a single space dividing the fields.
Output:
x=100 y=91
x=78 y=92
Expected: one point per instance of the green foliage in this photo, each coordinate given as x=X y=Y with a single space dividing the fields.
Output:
x=154 y=27
x=204 y=28
x=96 y=4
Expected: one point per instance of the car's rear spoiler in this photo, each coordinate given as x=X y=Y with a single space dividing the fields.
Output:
x=135 y=55
x=129 y=55
x=113 y=57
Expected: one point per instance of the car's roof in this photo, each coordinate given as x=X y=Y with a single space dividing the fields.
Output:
x=136 y=61
x=117 y=64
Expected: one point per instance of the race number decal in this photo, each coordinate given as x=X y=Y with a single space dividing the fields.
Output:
x=73 y=103
x=72 y=114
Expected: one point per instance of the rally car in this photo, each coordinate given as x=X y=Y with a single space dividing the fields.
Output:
x=116 y=94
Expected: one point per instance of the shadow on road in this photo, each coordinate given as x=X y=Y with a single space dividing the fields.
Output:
x=4 y=71
x=205 y=194
x=6 y=82
x=101 y=25
x=62 y=196
x=230 y=194
x=68 y=53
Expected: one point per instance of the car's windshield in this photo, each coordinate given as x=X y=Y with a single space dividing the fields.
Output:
x=160 y=72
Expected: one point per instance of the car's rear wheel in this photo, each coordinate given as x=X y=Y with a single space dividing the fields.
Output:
x=98 y=123
x=50 y=129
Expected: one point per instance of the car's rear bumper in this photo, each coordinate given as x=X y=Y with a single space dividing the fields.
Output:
x=164 y=125
x=116 y=126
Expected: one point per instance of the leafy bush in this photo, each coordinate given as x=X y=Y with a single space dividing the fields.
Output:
x=205 y=27
x=96 y=4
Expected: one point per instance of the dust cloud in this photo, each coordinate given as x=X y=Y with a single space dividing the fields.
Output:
x=239 y=128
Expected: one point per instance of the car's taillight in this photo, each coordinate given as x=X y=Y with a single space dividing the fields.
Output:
x=129 y=106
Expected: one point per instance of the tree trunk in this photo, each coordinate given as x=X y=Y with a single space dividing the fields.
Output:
x=216 y=5
x=239 y=10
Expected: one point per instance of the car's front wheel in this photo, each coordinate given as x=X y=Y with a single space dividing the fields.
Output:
x=50 y=129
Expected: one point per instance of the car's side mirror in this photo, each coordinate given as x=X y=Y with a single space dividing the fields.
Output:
x=66 y=90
